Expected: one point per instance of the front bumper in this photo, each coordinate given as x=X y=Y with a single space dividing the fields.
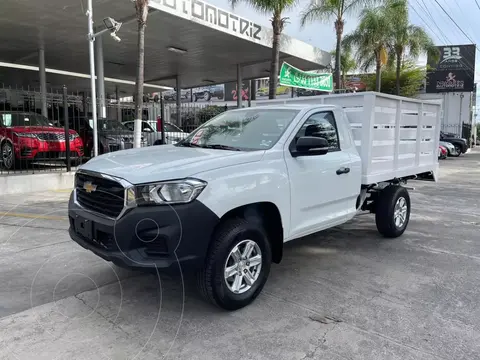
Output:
x=150 y=237
x=32 y=149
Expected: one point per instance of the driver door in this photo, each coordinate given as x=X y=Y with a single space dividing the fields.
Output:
x=320 y=195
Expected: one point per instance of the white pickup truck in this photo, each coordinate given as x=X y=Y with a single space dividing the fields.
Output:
x=224 y=201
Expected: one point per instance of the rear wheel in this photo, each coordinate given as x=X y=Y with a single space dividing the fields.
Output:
x=392 y=211
x=458 y=150
x=237 y=266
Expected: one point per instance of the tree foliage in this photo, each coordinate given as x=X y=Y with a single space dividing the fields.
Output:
x=336 y=10
x=369 y=39
x=412 y=79
x=406 y=40
x=277 y=8
x=347 y=64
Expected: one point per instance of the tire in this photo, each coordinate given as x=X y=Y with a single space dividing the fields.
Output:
x=207 y=96
x=456 y=155
x=195 y=99
x=458 y=149
x=211 y=280
x=389 y=200
x=8 y=156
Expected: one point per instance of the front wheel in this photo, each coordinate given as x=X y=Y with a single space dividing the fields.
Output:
x=392 y=211
x=237 y=266
x=8 y=156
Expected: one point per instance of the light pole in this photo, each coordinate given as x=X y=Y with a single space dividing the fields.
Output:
x=112 y=26
x=461 y=120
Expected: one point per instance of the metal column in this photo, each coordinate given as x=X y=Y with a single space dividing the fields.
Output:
x=43 y=81
x=179 y=101
x=253 y=89
x=119 y=109
x=100 y=77
x=239 y=87
x=67 y=129
x=92 y=77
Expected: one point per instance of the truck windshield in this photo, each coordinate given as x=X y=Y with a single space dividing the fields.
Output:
x=246 y=129
x=12 y=119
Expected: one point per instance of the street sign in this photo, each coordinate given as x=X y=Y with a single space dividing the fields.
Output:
x=293 y=77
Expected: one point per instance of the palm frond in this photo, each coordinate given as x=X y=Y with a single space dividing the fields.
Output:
x=267 y=6
x=323 y=11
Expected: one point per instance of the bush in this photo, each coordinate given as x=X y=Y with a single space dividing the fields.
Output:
x=412 y=79
x=209 y=112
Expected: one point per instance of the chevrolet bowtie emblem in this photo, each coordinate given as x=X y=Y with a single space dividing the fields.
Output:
x=89 y=187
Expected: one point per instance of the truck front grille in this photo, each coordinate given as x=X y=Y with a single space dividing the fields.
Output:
x=103 y=196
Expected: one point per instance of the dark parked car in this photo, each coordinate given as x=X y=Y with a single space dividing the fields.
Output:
x=208 y=92
x=112 y=135
x=460 y=144
x=308 y=92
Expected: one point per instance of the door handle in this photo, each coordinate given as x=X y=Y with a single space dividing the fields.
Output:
x=343 y=170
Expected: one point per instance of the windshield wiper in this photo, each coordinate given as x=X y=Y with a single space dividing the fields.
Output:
x=186 y=144
x=221 y=147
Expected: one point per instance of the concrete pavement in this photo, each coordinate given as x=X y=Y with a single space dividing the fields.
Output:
x=345 y=293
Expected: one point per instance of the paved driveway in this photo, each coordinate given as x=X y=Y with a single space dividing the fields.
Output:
x=416 y=297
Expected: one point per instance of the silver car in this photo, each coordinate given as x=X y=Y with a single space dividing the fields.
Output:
x=153 y=136
x=450 y=148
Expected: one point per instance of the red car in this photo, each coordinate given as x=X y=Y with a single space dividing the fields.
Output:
x=28 y=137
x=442 y=152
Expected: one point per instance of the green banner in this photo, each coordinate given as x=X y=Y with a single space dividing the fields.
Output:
x=293 y=77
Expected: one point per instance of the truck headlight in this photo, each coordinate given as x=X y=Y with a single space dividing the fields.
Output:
x=169 y=192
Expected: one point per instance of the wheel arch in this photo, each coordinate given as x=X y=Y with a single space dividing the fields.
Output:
x=268 y=215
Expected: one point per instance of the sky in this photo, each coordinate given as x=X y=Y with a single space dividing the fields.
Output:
x=425 y=13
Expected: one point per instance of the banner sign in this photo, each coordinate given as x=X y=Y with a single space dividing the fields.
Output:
x=293 y=77
x=454 y=70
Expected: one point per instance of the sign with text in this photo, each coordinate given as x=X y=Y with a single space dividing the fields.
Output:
x=449 y=81
x=293 y=77
x=453 y=71
x=209 y=15
x=231 y=91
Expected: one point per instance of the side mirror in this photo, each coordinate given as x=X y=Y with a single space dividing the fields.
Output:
x=309 y=146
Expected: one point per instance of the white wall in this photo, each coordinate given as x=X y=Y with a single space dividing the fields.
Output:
x=451 y=120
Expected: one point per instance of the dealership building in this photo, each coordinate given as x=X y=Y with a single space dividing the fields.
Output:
x=188 y=43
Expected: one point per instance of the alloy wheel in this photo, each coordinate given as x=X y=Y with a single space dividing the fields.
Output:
x=400 y=212
x=243 y=266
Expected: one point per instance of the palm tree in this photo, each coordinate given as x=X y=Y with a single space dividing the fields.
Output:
x=325 y=10
x=370 y=39
x=406 y=38
x=141 y=10
x=347 y=64
x=276 y=8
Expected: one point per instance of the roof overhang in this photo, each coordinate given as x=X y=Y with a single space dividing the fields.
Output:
x=215 y=41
